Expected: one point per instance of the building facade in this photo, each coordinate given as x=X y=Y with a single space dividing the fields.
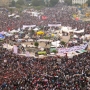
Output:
x=5 y=2
x=79 y=1
x=61 y=1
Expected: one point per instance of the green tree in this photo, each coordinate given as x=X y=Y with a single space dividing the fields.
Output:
x=88 y=2
x=13 y=3
x=54 y=51
x=68 y=2
x=38 y=2
x=36 y=44
x=53 y=2
x=20 y=2
x=63 y=43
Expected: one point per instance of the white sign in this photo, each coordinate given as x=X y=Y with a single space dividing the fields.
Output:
x=71 y=49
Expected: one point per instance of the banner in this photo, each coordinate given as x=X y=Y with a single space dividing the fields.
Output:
x=80 y=31
x=28 y=26
x=15 y=49
x=54 y=25
x=72 y=49
x=27 y=54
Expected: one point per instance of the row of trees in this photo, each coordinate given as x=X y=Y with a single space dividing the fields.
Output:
x=88 y=2
x=41 y=2
x=34 y=2
x=16 y=4
x=69 y=2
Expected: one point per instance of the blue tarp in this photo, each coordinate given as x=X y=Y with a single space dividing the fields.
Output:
x=1 y=36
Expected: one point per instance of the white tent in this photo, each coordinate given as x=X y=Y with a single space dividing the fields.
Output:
x=36 y=29
x=11 y=15
x=56 y=43
x=3 y=32
x=26 y=36
x=82 y=37
x=75 y=29
x=65 y=29
x=13 y=31
x=74 y=41
x=80 y=31
x=16 y=16
x=8 y=34
x=71 y=54
x=87 y=36
x=75 y=36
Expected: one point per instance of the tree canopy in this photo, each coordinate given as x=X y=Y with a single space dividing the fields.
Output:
x=88 y=2
x=20 y=2
x=68 y=2
x=53 y=2
x=38 y=2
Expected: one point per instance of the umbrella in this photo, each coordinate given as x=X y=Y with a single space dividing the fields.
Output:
x=40 y=33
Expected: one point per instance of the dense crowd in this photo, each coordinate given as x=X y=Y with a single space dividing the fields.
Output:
x=60 y=14
x=50 y=73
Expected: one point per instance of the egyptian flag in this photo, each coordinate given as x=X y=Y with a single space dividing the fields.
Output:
x=44 y=17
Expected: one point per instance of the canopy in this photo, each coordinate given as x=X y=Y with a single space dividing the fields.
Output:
x=16 y=16
x=36 y=29
x=11 y=15
x=40 y=33
x=65 y=29
x=75 y=36
x=14 y=31
x=56 y=43
x=80 y=31
x=7 y=34
x=3 y=32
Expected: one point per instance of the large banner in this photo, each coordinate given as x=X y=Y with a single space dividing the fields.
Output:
x=28 y=26
x=15 y=49
x=72 y=49
x=54 y=25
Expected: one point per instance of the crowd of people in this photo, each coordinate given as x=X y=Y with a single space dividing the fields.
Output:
x=49 y=73
x=60 y=14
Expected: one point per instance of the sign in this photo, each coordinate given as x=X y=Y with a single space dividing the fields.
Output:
x=72 y=49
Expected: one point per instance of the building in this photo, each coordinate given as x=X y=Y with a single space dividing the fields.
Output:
x=61 y=1
x=5 y=2
x=79 y=1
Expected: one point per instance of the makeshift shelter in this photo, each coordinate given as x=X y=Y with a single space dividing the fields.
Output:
x=75 y=36
x=3 y=32
x=14 y=31
x=8 y=34
x=65 y=29
x=56 y=43
x=36 y=29
x=80 y=31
